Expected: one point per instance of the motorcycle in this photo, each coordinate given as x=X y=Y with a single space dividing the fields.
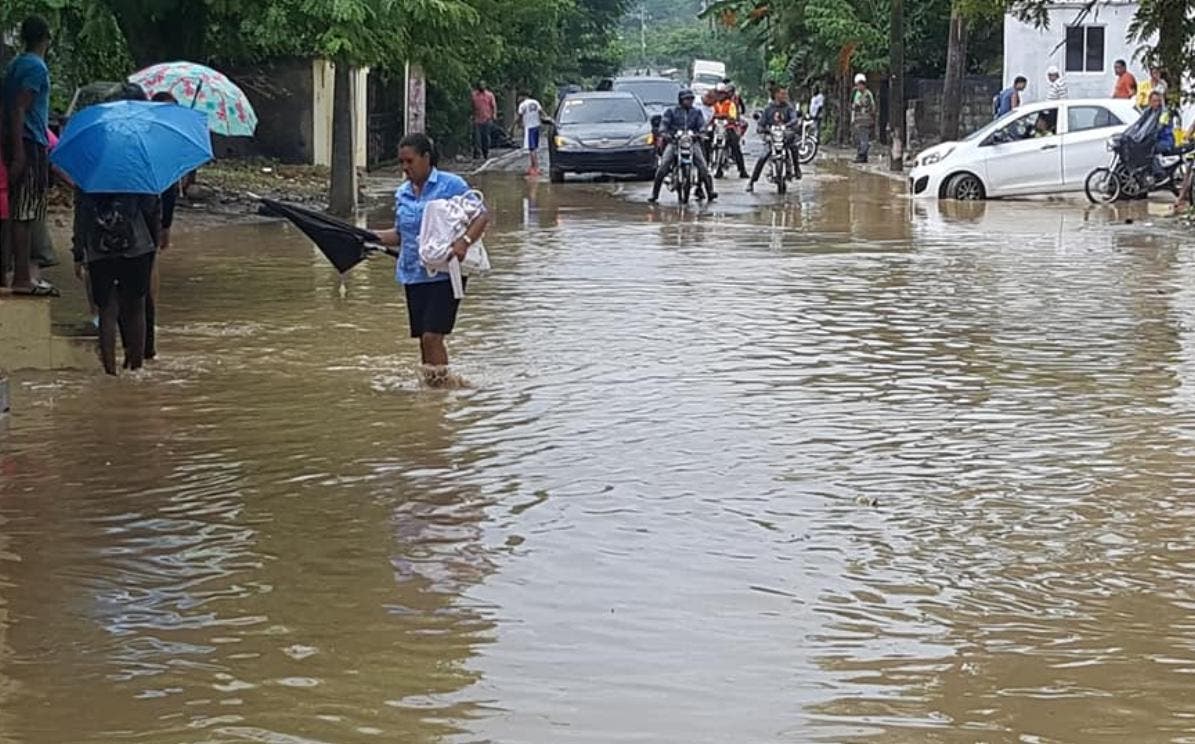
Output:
x=809 y=142
x=719 y=147
x=780 y=163
x=684 y=171
x=1129 y=177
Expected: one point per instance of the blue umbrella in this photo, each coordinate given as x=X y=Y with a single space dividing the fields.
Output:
x=132 y=147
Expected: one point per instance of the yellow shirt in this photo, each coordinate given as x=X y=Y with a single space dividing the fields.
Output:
x=1143 y=89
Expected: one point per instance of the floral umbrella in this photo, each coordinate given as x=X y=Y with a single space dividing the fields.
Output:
x=203 y=89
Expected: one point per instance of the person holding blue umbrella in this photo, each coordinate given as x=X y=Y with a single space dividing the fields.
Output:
x=122 y=156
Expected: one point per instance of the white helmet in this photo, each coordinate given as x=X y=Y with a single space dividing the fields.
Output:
x=720 y=88
x=860 y=78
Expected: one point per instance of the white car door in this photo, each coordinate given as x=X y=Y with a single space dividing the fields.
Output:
x=1084 y=142
x=1025 y=156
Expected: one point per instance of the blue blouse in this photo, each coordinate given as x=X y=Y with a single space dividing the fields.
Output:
x=408 y=219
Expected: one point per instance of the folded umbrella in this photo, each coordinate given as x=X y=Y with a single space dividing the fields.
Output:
x=343 y=244
x=132 y=147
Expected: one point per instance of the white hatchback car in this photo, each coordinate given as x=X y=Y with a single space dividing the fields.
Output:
x=1046 y=147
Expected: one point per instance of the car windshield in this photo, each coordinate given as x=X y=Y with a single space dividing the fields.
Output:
x=707 y=78
x=651 y=91
x=601 y=111
x=987 y=129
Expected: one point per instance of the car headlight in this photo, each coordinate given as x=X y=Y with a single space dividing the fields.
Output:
x=564 y=143
x=643 y=140
x=936 y=157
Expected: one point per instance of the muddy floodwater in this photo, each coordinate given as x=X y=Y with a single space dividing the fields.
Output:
x=840 y=468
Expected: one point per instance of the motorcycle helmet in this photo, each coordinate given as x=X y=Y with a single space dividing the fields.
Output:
x=685 y=93
x=720 y=88
x=860 y=78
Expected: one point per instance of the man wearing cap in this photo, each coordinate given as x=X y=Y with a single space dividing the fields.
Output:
x=1056 y=90
x=863 y=117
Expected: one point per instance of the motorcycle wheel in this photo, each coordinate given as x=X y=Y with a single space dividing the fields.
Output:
x=1131 y=186
x=1102 y=186
x=807 y=150
x=719 y=162
x=781 y=179
x=683 y=186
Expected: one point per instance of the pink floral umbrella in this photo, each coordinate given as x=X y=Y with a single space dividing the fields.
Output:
x=204 y=89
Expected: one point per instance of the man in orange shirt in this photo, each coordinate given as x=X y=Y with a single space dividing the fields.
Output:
x=1126 y=84
x=726 y=108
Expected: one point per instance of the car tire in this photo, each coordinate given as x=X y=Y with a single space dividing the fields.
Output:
x=647 y=175
x=965 y=187
x=556 y=175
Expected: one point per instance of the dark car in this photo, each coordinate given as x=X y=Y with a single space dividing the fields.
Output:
x=608 y=132
x=657 y=94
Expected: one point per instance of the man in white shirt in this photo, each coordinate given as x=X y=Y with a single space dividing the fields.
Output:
x=1056 y=90
x=530 y=116
x=817 y=105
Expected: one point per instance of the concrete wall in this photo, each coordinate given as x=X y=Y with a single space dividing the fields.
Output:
x=323 y=76
x=293 y=100
x=281 y=95
x=924 y=96
x=1029 y=51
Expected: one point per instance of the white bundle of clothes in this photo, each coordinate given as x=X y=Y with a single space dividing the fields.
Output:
x=445 y=222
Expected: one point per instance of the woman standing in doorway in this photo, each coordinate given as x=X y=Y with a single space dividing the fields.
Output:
x=431 y=306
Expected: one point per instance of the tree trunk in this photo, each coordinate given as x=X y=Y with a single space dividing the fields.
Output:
x=956 y=69
x=896 y=86
x=343 y=197
x=844 y=106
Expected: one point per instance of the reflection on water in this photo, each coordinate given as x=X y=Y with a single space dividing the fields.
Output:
x=841 y=467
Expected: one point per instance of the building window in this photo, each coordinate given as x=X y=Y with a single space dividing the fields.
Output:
x=1084 y=48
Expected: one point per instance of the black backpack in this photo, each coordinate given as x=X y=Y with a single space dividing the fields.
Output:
x=115 y=222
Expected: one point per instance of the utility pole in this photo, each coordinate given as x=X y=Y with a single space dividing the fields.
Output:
x=643 y=33
x=896 y=86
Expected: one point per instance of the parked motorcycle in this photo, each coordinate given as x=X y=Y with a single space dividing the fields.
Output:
x=1126 y=177
x=719 y=147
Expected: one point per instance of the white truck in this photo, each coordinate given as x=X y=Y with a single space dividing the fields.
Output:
x=706 y=74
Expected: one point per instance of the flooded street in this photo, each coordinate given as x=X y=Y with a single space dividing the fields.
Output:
x=839 y=468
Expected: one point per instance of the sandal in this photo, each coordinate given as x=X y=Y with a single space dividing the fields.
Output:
x=40 y=288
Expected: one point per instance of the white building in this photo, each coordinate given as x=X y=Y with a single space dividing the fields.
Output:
x=1082 y=46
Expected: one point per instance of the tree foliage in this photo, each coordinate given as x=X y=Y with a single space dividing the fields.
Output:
x=529 y=44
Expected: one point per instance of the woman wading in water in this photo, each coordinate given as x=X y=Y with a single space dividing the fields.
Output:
x=431 y=306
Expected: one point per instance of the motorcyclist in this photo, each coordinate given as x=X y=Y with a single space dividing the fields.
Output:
x=1164 y=139
x=726 y=109
x=779 y=110
x=677 y=119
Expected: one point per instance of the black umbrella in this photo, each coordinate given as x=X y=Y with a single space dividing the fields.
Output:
x=343 y=244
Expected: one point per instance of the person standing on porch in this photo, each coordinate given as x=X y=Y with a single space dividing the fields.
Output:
x=1126 y=84
x=1056 y=89
x=26 y=107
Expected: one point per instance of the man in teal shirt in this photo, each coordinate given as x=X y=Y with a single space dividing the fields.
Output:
x=27 y=114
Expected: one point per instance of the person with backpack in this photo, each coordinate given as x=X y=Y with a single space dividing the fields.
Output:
x=1009 y=98
x=116 y=238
